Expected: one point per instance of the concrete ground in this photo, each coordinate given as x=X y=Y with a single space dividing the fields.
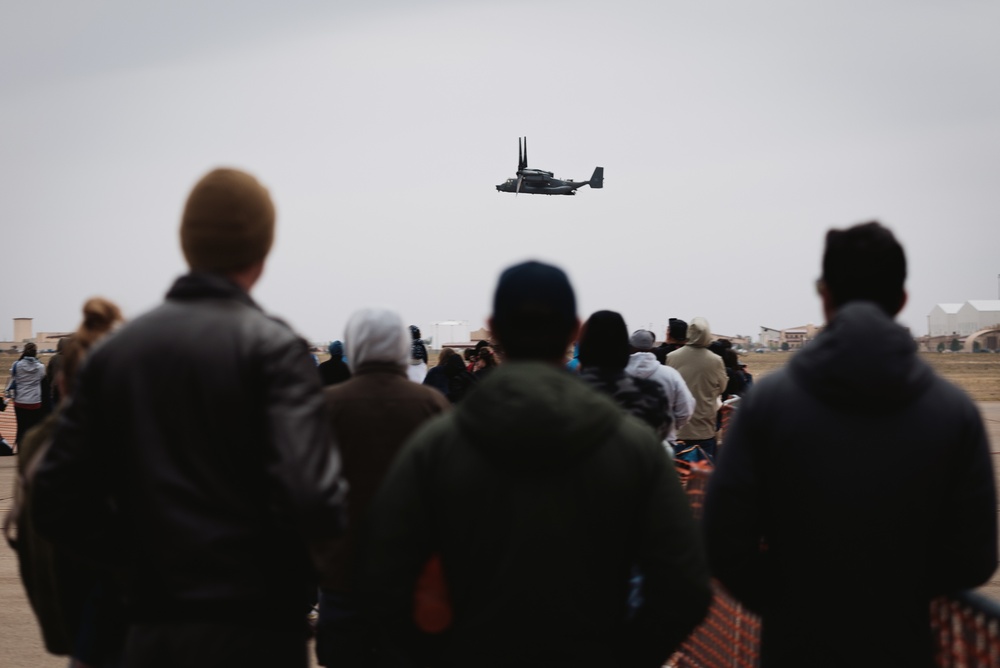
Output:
x=21 y=644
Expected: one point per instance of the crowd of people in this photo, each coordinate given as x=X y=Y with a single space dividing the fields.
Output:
x=200 y=485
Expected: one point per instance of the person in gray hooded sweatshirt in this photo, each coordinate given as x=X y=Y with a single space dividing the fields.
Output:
x=855 y=484
x=642 y=363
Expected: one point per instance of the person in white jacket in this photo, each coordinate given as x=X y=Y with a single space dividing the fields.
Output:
x=643 y=364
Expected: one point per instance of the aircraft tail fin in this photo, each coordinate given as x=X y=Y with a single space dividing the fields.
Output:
x=597 y=180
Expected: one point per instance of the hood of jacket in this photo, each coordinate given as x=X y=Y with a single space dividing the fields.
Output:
x=376 y=335
x=862 y=361
x=642 y=365
x=532 y=417
x=699 y=333
x=28 y=364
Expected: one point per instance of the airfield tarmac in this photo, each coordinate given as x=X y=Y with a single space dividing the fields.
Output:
x=22 y=647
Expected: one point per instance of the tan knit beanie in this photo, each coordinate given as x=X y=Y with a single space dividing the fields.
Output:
x=228 y=222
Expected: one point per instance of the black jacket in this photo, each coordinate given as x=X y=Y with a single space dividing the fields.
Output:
x=333 y=371
x=541 y=496
x=195 y=458
x=869 y=479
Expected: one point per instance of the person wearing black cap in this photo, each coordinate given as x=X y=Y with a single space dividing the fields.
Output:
x=195 y=459
x=604 y=355
x=677 y=334
x=541 y=497
x=867 y=476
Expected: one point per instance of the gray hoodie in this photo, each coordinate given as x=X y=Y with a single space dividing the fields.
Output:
x=681 y=406
x=26 y=376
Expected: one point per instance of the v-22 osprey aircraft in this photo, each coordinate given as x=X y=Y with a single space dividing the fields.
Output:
x=540 y=182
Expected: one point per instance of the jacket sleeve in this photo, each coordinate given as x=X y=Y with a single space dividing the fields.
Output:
x=965 y=544
x=304 y=462
x=722 y=377
x=70 y=492
x=732 y=513
x=681 y=400
x=675 y=581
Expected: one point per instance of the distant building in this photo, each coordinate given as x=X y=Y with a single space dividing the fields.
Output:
x=22 y=330
x=739 y=341
x=963 y=319
x=49 y=340
x=794 y=337
x=447 y=332
x=481 y=334
x=978 y=314
x=943 y=320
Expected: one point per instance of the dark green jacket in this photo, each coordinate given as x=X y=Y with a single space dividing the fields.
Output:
x=541 y=497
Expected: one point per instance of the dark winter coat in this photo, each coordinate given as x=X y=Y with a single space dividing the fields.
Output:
x=333 y=371
x=195 y=457
x=541 y=496
x=371 y=416
x=869 y=480
x=460 y=381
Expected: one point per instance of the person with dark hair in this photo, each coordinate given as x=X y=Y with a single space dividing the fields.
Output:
x=195 y=459
x=418 y=356
x=735 y=384
x=864 y=263
x=335 y=369
x=460 y=380
x=436 y=376
x=52 y=370
x=540 y=496
x=604 y=354
x=677 y=333
x=371 y=416
x=25 y=388
x=470 y=357
x=855 y=484
x=486 y=362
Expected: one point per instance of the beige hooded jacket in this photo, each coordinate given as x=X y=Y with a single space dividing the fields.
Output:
x=705 y=375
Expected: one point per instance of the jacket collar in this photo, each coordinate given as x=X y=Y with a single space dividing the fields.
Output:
x=205 y=285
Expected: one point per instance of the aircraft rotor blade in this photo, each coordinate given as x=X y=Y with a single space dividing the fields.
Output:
x=518 y=191
x=525 y=153
x=520 y=160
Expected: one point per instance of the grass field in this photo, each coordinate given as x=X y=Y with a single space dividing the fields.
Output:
x=977 y=374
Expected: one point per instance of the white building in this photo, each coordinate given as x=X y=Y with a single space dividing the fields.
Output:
x=963 y=319
x=449 y=331
x=943 y=319
x=977 y=314
x=22 y=329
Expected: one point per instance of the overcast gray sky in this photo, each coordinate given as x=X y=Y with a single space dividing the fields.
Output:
x=733 y=135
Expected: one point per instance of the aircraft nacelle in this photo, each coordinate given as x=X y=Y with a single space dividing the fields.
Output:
x=541 y=182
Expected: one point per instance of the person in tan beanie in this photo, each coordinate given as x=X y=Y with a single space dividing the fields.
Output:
x=196 y=458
